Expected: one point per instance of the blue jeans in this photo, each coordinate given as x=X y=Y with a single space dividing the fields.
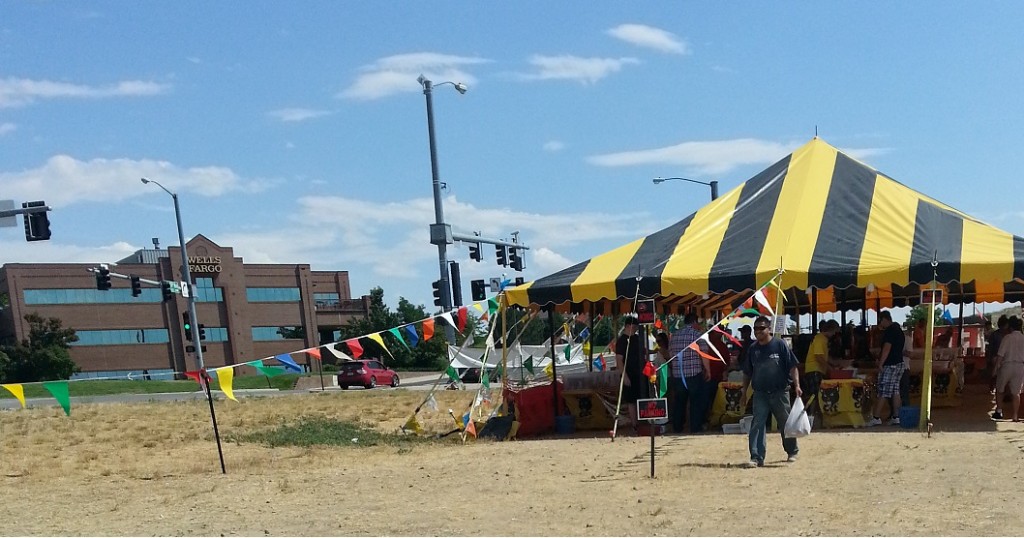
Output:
x=769 y=403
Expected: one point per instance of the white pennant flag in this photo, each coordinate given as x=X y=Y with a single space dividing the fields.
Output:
x=760 y=297
x=337 y=354
x=431 y=403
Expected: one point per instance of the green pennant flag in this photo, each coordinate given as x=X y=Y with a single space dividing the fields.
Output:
x=452 y=374
x=485 y=379
x=59 y=390
x=492 y=306
x=398 y=336
x=568 y=352
x=270 y=371
x=528 y=364
x=662 y=381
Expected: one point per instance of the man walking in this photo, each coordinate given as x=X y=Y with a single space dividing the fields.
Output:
x=691 y=376
x=769 y=368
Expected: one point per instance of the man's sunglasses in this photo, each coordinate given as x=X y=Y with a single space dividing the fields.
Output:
x=760 y=328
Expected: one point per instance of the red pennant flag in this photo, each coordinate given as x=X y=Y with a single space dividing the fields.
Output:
x=194 y=375
x=428 y=329
x=315 y=352
x=729 y=336
x=355 y=347
x=658 y=324
x=463 y=314
x=649 y=369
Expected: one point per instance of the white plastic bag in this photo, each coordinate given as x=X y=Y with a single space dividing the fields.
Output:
x=797 y=424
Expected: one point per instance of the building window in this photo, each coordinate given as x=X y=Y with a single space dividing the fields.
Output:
x=121 y=337
x=215 y=334
x=264 y=334
x=272 y=295
x=91 y=296
x=206 y=292
x=326 y=300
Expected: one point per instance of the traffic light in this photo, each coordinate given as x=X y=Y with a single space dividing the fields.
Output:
x=186 y=326
x=136 y=286
x=515 y=259
x=37 y=224
x=456 y=284
x=479 y=290
x=474 y=252
x=202 y=332
x=499 y=250
x=165 y=288
x=437 y=293
x=103 y=279
x=520 y=281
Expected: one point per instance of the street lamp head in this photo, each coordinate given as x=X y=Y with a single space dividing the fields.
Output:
x=422 y=80
x=145 y=181
x=658 y=180
x=461 y=88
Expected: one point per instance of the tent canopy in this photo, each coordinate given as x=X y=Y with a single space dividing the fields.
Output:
x=830 y=222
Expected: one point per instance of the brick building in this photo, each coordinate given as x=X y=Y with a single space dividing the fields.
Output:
x=250 y=311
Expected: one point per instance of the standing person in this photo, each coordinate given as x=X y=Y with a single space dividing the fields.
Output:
x=690 y=376
x=630 y=354
x=992 y=348
x=1010 y=368
x=816 y=365
x=890 y=370
x=769 y=368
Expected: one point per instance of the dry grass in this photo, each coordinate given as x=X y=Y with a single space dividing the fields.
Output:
x=152 y=469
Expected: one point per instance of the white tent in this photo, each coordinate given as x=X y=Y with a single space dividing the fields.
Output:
x=517 y=354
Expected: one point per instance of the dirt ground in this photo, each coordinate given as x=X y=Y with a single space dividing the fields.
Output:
x=152 y=469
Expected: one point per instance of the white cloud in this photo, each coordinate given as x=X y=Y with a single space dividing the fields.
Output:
x=297 y=114
x=710 y=157
x=568 y=67
x=64 y=180
x=650 y=37
x=54 y=251
x=16 y=92
x=6 y=128
x=554 y=146
x=398 y=74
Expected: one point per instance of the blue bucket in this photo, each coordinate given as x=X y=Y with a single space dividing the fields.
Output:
x=909 y=417
x=565 y=424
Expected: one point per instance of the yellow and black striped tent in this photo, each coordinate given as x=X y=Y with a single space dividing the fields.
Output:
x=858 y=238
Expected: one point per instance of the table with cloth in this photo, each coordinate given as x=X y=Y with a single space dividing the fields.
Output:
x=841 y=402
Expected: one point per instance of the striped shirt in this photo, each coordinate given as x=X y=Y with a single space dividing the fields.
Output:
x=692 y=364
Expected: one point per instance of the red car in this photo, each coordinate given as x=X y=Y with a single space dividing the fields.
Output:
x=368 y=373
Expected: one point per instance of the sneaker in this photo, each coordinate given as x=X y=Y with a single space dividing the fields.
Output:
x=875 y=421
x=753 y=463
x=998 y=415
x=791 y=458
x=894 y=421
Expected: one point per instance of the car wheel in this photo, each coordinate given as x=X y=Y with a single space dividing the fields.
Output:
x=344 y=387
x=394 y=380
x=373 y=383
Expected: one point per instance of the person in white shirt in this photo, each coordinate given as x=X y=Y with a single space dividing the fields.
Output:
x=1009 y=368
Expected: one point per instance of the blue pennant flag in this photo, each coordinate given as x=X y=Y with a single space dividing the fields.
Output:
x=599 y=363
x=947 y=316
x=413 y=337
x=584 y=333
x=288 y=363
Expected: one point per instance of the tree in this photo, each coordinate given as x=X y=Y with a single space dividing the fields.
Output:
x=920 y=312
x=43 y=356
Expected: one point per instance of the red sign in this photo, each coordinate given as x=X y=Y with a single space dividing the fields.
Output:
x=645 y=311
x=652 y=409
x=927 y=296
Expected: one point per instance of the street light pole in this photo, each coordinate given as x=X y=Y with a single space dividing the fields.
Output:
x=712 y=184
x=440 y=232
x=193 y=319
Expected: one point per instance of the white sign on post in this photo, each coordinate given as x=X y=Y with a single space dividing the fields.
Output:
x=184 y=289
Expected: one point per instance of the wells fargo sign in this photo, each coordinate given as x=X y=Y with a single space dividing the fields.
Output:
x=204 y=264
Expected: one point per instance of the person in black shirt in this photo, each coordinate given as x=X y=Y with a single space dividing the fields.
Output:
x=890 y=370
x=629 y=352
x=770 y=367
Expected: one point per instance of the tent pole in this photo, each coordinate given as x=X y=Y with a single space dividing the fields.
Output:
x=554 y=370
x=504 y=354
x=590 y=338
x=814 y=310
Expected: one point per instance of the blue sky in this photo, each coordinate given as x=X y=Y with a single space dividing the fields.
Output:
x=296 y=132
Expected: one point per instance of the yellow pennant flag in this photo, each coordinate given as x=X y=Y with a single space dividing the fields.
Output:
x=380 y=341
x=18 y=391
x=226 y=376
x=413 y=425
x=549 y=369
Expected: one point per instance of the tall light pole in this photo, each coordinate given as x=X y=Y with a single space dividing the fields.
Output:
x=712 y=184
x=440 y=232
x=193 y=320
